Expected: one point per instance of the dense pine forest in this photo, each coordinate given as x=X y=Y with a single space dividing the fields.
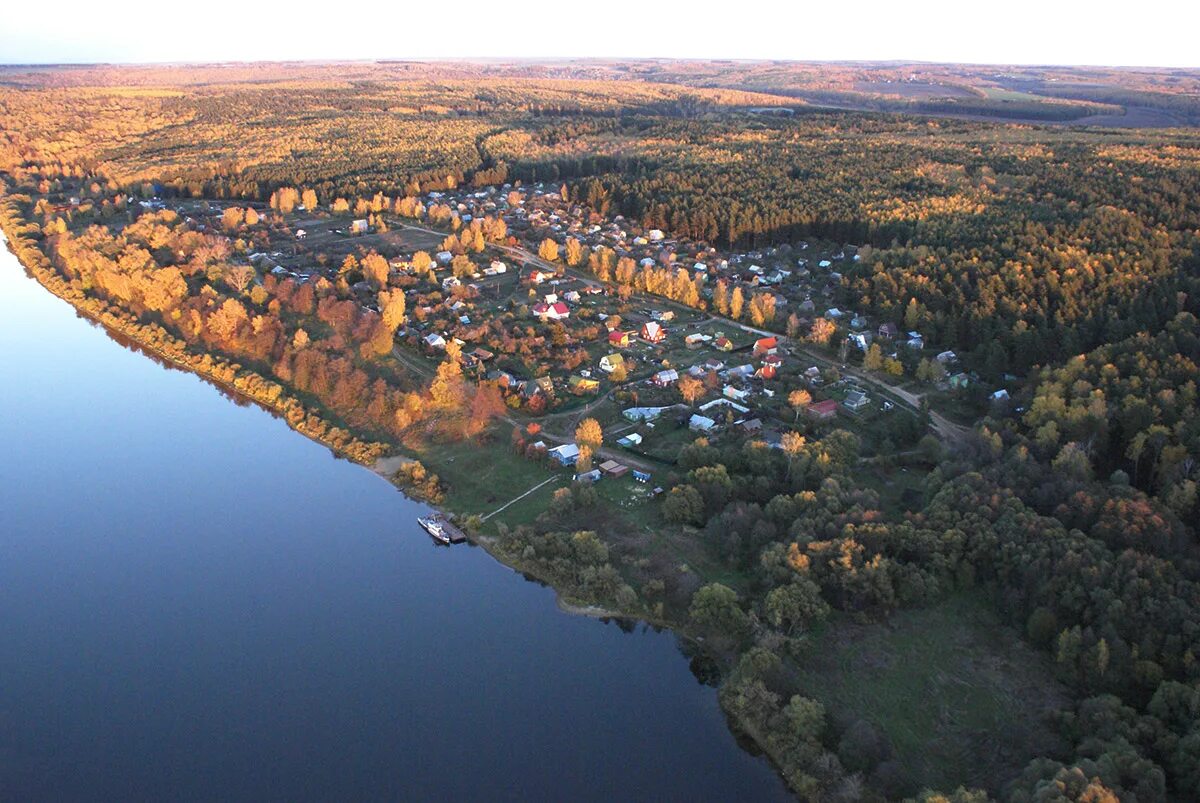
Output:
x=1061 y=262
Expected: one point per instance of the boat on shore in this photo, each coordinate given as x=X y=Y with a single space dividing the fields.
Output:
x=441 y=530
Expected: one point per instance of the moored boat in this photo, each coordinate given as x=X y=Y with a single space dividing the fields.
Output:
x=441 y=530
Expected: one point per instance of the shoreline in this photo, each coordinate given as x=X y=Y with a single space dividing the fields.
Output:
x=379 y=458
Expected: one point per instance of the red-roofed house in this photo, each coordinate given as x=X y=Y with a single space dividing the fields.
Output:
x=822 y=410
x=765 y=345
x=618 y=339
x=553 y=312
x=652 y=332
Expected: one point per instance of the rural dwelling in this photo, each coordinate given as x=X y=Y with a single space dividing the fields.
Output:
x=613 y=469
x=618 y=339
x=564 y=455
x=643 y=413
x=888 y=331
x=858 y=322
x=557 y=311
x=723 y=343
x=301 y=234
x=751 y=426
x=696 y=340
x=359 y=226
x=612 y=362
x=946 y=357
x=737 y=394
x=822 y=410
x=588 y=476
x=860 y=340
x=580 y=385
x=630 y=440
x=959 y=380
x=1000 y=395
x=665 y=378
x=915 y=341
x=435 y=341
x=701 y=423
x=652 y=332
x=855 y=400
x=765 y=345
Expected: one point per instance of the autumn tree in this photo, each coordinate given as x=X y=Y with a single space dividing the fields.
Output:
x=574 y=252
x=392 y=308
x=447 y=389
x=873 y=359
x=239 y=277
x=589 y=433
x=799 y=400
x=375 y=268
x=822 y=331
x=548 y=250
x=583 y=463
x=736 y=302
x=232 y=218
x=690 y=388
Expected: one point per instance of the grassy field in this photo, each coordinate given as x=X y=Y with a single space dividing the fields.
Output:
x=961 y=698
x=483 y=478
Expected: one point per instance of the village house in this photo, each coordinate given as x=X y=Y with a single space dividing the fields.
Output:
x=723 y=343
x=751 y=427
x=855 y=400
x=564 y=455
x=915 y=341
x=888 y=331
x=737 y=394
x=765 y=345
x=611 y=362
x=359 y=227
x=696 y=340
x=822 y=410
x=652 y=332
x=665 y=378
x=701 y=423
x=636 y=414
x=435 y=341
x=860 y=340
x=613 y=469
x=619 y=339
x=630 y=440
x=557 y=311
x=580 y=385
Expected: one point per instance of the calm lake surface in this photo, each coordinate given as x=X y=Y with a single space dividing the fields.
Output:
x=197 y=602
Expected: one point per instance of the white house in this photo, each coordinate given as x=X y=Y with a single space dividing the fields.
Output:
x=566 y=454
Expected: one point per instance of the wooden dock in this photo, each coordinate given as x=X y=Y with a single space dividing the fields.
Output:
x=455 y=535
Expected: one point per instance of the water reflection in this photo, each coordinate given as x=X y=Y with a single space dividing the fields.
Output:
x=200 y=603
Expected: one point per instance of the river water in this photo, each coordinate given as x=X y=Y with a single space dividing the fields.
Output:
x=197 y=602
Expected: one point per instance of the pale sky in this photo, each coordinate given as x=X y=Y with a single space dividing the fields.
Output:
x=1100 y=32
